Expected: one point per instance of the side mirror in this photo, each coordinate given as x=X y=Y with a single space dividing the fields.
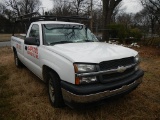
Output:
x=31 y=41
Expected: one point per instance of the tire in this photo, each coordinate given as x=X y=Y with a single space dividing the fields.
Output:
x=18 y=63
x=54 y=90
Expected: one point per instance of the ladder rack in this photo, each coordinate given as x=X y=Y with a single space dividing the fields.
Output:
x=35 y=16
x=27 y=19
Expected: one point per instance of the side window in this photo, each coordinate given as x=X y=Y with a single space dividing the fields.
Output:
x=34 y=32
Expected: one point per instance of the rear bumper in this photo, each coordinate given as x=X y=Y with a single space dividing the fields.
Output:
x=93 y=93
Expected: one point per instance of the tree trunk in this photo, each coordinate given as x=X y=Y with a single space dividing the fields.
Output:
x=107 y=20
x=108 y=8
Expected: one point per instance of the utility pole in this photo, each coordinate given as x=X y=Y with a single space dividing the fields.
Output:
x=91 y=14
x=42 y=9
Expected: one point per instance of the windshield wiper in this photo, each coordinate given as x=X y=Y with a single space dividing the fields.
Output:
x=60 y=42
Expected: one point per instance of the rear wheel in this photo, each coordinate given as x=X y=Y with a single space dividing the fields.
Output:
x=54 y=90
x=18 y=63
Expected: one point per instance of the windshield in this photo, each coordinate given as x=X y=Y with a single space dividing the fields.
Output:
x=67 y=33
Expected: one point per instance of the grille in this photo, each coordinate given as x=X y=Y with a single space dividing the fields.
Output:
x=113 y=64
x=118 y=76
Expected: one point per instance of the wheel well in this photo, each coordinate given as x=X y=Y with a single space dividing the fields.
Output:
x=45 y=71
x=14 y=50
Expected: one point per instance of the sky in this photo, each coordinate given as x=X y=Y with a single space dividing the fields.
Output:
x=132 y=6
x=47 y=4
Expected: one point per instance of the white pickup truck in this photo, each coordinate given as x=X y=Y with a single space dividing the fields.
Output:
x=76 y=67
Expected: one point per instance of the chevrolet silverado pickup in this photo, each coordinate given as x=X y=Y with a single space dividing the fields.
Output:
x=76 y=67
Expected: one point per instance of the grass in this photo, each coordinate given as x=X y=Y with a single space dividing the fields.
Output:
x=30 y=99
x=5 y=37
x=6 y=94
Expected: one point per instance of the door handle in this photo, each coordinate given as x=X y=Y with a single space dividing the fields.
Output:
x=25 y=47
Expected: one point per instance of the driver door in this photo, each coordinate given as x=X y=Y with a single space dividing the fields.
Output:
x=31 y=52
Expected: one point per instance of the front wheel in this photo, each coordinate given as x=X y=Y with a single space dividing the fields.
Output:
x=54 y=90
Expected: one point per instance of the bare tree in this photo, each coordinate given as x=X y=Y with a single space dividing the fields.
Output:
x=142 y=20
x=79 y=6
x=14 y=7
x=116 y=12
x=61 y=8
x=5 y=16
x=124 y=18
x=2 y=8
x=21 y=7
x=28 y=6
x=153 y=6
x=108 y=8
x=7 y=13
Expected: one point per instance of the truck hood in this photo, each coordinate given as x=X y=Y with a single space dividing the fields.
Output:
x=92 y=52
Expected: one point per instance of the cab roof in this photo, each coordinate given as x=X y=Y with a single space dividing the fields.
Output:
x=55 y=22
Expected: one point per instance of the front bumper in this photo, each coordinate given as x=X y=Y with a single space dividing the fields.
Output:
x=96 y=92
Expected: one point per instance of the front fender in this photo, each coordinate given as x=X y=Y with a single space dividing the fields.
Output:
x=63 y=68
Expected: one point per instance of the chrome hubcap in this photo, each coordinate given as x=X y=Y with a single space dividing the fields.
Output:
x=51 y=90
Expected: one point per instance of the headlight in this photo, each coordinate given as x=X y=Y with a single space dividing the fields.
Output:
x=85 y=80
x=80 y=68
x=137 y=59
x=137 y=68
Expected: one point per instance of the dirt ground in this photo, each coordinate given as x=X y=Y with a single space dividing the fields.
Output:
x=24 y=97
